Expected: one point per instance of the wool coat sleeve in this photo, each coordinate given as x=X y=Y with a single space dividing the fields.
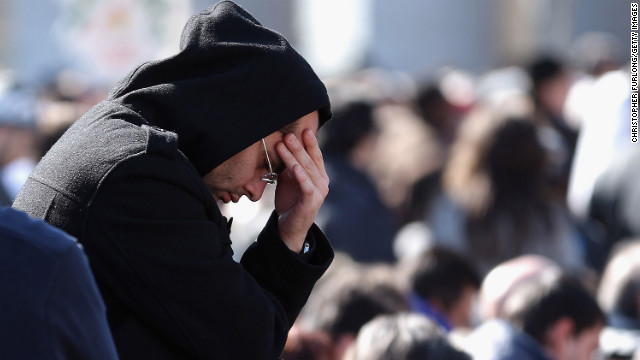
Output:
x=161 y=251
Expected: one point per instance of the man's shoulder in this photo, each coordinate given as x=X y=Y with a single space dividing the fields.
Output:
x=105 y=137
x=108 y=130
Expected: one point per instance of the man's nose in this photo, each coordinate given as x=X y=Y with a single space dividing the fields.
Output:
x=255 y=189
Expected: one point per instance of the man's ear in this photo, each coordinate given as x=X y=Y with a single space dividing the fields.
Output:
x=558 y=336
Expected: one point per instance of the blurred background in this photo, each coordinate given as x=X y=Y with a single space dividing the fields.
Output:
x=106 y=38
x=486 y=129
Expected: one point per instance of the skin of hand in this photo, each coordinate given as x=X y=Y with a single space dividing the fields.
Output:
x=301 y=189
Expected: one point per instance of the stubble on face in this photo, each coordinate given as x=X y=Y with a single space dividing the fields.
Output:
x=224 y=182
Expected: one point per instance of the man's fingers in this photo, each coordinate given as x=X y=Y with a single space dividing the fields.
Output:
x=306 y=185
x=300 y=195
x=302 y=157
x=313 y=149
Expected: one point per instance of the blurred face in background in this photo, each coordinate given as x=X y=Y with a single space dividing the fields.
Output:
x=581 y=346
x=553 y=93
x=460 y=313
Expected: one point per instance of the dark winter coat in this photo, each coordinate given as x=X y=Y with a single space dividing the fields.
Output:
x=126 y=180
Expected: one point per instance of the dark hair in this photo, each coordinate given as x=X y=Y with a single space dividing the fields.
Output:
x=627 y=302
x=350 y=123
x=344 y=303
x=429 y=99
x=537 y=304
x=497 y=158
x=544 y=68
x=515 y=158
x=442 y=274
x=496 y=174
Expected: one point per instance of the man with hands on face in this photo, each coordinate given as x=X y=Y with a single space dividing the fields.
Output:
x=137 y=179
x=302 y=182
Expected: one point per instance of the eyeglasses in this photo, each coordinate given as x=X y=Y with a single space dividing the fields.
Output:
x=270 y=177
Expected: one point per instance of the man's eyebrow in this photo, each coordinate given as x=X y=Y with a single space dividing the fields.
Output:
x=291 y=128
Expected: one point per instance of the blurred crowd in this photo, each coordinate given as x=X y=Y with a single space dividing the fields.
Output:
x=500 y=206
x=475 y=216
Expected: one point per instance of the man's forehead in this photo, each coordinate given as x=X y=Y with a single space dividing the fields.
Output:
x=309 y=121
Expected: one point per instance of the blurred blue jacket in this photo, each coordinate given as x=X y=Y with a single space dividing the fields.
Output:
x=51 y=307
x=353 y=216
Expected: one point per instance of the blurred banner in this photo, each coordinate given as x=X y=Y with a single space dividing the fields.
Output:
x=108 y=38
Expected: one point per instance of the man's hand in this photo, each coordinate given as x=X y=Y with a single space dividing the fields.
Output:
x=301 y=188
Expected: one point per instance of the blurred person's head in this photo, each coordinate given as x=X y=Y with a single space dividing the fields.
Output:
x=497 y=164
x=436 y=111
x=496 y=176
x=443 y=286
x=497 y=158
x=344 y=302
x=619 y=296
x=443 y=98
x=352 y=132
x=502 y=279
x=550 y=84
x=619 y=289
x=402 y=337
x=559 y=313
